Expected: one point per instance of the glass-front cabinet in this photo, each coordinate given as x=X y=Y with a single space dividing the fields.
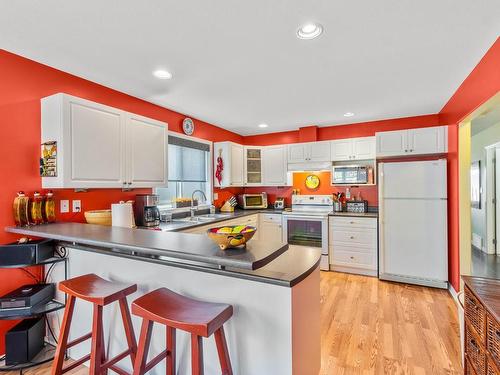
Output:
x=253 y=166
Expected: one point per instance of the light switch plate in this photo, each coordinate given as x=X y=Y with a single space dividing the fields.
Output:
x=77 y=205
x=64 y=206
x=216 y=196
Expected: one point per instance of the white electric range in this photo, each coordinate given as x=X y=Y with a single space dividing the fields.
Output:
x=307 y=223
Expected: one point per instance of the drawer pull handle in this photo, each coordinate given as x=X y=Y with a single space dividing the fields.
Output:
x=352 y=257
x=351 y=222
x=352 y=237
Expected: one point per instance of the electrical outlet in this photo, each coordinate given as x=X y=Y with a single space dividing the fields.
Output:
x=64 y=206
x=77 y=205
x=216 y=196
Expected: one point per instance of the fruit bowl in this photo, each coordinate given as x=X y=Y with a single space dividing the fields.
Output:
x=231 y=236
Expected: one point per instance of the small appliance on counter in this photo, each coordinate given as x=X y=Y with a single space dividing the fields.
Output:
x=279 y=203
x=252 y=201
x=357 y=206
x=146 y=210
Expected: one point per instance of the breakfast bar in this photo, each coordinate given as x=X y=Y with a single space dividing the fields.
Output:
x=273 y=288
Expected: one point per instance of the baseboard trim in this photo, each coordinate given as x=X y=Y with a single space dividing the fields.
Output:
x=453 y=294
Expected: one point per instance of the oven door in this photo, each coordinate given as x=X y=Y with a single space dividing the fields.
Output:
x=310 y=231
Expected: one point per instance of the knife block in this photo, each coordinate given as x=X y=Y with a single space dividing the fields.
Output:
x=226 y=207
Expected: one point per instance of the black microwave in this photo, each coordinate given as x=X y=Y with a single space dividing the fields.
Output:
x=349 y=175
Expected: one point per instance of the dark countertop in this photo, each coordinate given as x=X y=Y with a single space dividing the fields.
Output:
x=182 y=225
x=182 y=246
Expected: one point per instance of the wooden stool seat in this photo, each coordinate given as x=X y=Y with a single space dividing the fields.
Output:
x=99 y=292
x=174 y=310
x=95 y=289
x=200 y=319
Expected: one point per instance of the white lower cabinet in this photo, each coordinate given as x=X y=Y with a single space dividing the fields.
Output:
x=270 y=227
x=353 y=245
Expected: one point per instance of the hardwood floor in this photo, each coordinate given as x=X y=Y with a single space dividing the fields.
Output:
x=376 y=327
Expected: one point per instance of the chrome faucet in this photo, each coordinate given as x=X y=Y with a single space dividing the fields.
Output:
x=193 y=209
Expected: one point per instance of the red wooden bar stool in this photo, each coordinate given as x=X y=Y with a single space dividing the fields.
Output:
x=100 y=293
x=200 y=319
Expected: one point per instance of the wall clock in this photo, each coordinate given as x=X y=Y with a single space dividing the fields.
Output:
x=312 y=181
x=188 y=126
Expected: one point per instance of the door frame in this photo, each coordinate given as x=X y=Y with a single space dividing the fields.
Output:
x=464 y=162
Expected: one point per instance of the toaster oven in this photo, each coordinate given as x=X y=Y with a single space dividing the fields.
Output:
x=252 y=201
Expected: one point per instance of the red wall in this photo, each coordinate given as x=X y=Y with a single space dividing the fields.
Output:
x=481 y=84
x=22 y=83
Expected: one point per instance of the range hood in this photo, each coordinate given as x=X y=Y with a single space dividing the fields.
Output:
x=310 y=166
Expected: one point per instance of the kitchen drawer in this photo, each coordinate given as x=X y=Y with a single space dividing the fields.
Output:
x=493 y=339
x=245 y=220
x=271 y=218
x=474 y=351
x=348 y=257
x=366 y=237
x=350 y=222
x=475 y=314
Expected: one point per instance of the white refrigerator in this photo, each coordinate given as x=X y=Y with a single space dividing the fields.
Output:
x=413 y=230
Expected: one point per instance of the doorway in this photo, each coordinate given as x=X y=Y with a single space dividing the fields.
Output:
x=479 y=163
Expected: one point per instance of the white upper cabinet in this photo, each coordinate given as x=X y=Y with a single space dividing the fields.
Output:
x=146 y=150
x=309 y=152
x=274 y=169
x=233 y=158
x=421 y=141
x=253 y=166
x=99 y=146
x=428 y=140
x=392 y=143
x=353 y=149
x=297 y=153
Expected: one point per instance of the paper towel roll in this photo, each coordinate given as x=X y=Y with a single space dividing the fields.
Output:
x=122 y=215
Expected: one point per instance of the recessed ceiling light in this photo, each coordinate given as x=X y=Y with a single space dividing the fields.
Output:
x=263 y=125
x=309 y=31
x=348 y=114
x=162 y=74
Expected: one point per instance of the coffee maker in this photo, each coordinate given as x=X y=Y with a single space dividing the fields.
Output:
x=146 y=210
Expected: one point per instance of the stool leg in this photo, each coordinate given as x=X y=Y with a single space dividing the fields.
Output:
x=63 y=337
x=225 y=362
x=171 y=335
x=96 y=352
x=103 y=352
x=143 y=348
x=129 y=330
x=196 y=354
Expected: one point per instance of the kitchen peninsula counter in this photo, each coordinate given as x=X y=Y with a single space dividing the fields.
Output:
x=273 y=289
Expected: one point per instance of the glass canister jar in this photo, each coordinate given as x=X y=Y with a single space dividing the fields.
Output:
x=20 y=209
x=49 y=208
x=36 y=209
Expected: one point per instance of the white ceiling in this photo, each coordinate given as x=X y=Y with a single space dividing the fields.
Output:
x=238 y=63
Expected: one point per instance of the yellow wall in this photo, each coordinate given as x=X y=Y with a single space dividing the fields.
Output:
x=464 y=150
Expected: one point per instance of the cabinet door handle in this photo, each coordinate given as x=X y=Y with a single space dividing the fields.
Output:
x=351 y=222
x=406 y=150
x=130 y=183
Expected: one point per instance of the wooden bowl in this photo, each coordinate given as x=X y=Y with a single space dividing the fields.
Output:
x=231 y=236
x=100 y=217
